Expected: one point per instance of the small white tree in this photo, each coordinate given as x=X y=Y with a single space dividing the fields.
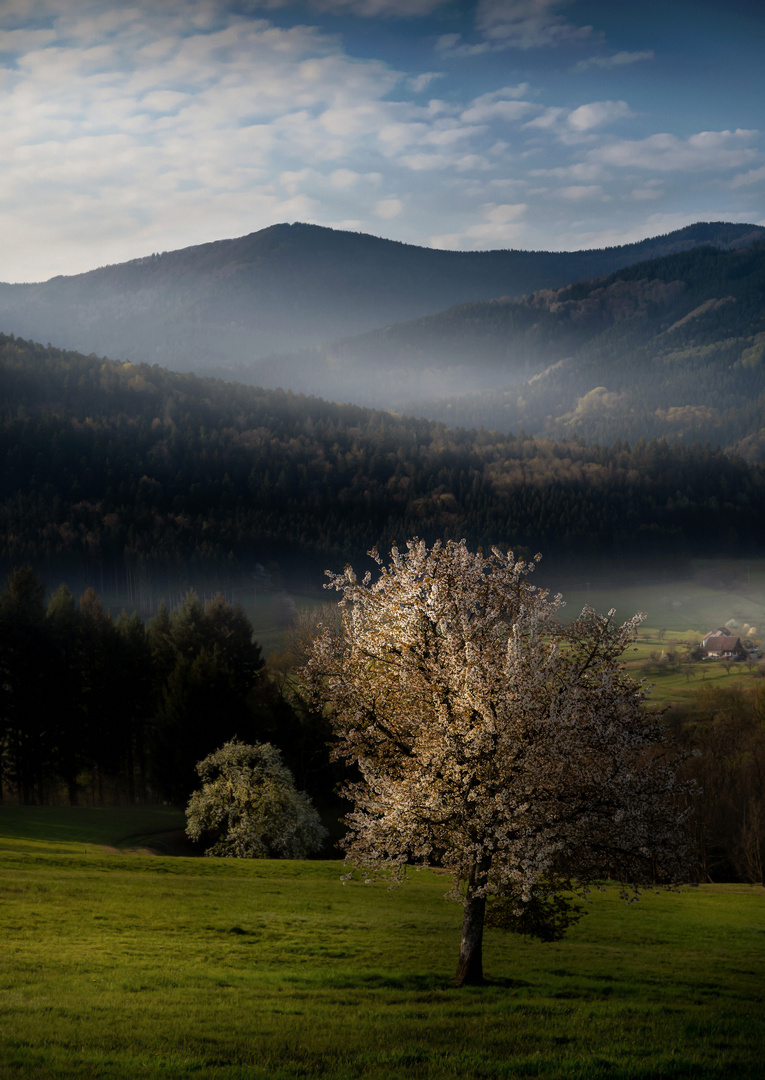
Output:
x=250 y=808
x=492 y=741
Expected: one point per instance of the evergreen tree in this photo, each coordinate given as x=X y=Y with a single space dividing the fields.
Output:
x=26 y=699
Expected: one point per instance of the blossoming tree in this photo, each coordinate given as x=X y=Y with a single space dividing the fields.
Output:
x=249 y=806
x=492 y=741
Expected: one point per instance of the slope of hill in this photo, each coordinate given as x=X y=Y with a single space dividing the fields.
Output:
x=223 y=304
x=669 y=348
x=134 y=476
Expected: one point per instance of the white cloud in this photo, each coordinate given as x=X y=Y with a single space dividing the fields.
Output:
x=395 y=137
x=483 y=111
x=132 y=106
x=547 y=119
x=397 y=9
x=504 y=212
x=418 y=83
x=25 y=39
x=388 y=208
x=754 y=176
x=479 y=238
x=618 y=59
x=294 y=181
x=446 y=43
x=164 y=100
x=580 y=192
x=707 y=150
x=502 y=226
x=155 y=124
x=652 y=225
x=581 y=171
x=352 y=120
x=343 y=179
x=472 y=163
x=644 y=194
x=526 y=24
x=596 y=114
x=447 y=134
x=579 y=125
x=424 y=162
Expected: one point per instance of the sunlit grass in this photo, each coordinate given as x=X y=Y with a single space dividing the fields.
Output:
x=122 y=965
x=678 y=615
x=677 y=683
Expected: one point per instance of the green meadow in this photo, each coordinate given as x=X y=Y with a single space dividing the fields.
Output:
x=116 y=963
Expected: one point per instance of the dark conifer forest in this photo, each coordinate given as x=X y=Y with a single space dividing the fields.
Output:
x=95 y=709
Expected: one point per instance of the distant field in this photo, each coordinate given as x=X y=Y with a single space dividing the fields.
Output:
x=123 y=965
x=715 y=592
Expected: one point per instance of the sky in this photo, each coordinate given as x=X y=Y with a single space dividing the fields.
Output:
x=129 y=128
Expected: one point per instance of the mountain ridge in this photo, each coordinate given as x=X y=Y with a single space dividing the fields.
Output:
x=671 y=348
x=220 y=305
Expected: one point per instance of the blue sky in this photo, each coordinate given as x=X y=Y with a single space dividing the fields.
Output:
x=135 y=127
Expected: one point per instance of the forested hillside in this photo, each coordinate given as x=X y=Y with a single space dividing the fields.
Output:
x=671 y=348
x=224 y=306
x=133 y=475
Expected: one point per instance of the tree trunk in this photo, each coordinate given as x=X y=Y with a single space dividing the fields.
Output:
x=470 y=963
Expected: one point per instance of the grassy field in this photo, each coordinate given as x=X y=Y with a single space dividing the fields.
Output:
x=80 y=829
x=118 y=964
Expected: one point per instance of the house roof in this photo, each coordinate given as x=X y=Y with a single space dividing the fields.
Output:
x=722 y=643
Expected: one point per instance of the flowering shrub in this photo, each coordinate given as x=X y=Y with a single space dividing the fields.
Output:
x=250 y=807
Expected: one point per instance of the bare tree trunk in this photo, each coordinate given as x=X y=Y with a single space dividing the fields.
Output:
x=470 y=963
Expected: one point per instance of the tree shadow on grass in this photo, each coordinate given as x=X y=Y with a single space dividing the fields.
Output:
x=411 y=982
x=381 y=980
x=502 y=983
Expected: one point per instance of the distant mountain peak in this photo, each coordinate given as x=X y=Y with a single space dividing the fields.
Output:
x=227 y=305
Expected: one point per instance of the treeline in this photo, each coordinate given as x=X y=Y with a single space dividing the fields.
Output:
x=725 y=728
x=111 y=467
x=99 y=710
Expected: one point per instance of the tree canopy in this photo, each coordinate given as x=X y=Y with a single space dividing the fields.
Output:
x=493 y=741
